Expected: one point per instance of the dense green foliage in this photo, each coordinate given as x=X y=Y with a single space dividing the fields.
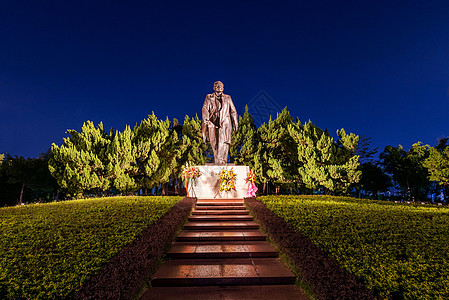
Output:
x=295 y=156
x=93 y=161
x=24 y=180
x=48 y=250
x=283 y=152
x=388 y=246
x=286 y=155
x=277 y=153
x=245 y=141
x=407 y=170
x=438 y=165
x=373 y=180
x=323 y=162
x=157 y=149
x=80 y=163
x=193 y=150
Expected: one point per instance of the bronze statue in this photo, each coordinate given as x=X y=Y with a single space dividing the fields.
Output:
x=219 y=114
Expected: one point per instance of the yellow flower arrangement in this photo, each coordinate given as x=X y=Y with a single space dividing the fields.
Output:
x=226 y=180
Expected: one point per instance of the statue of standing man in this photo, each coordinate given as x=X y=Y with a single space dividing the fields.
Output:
x=219 y=117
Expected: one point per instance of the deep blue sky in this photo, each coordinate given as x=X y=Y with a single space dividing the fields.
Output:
x=375 y=68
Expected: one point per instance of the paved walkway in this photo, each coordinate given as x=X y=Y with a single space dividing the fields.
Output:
x=222 y=254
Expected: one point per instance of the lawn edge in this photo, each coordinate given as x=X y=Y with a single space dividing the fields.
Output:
x=126 y=273
x=322 y=273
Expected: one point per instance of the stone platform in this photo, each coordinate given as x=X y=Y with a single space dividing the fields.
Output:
x=206 y=186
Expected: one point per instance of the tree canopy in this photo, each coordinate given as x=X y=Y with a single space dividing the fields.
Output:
x=407 y=169
x=438 y=163
x=282 y=152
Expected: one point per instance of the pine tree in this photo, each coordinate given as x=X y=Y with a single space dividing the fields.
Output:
x=373 y=180
x=347 y=172
x=245 y=141
x=407 y=169
x=122 y=165
x=364 y=150
x=324 y=163
x=192 y=149
x=261 y=157
x=438 y=165
x=79 y=165
x=277 y=153
x=19 y=171
x=156 y=151
x=315 y=150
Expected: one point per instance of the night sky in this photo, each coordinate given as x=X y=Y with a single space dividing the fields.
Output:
x=375 y=68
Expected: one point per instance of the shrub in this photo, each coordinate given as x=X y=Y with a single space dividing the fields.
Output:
x=387 y=246
x=48 y=250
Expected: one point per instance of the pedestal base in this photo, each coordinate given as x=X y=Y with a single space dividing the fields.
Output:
x=206 y=186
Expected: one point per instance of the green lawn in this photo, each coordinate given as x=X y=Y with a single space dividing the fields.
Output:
x=48 y=250
x=388 y=246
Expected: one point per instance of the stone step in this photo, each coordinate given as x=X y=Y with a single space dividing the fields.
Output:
x=209 y=218
x=228 y=249
x=246 y=292
x=221 y=203
x=220 y=207
x=221 y=200
x=202 y=236
x=221 y=225
x=234 y=271
x=220 y=212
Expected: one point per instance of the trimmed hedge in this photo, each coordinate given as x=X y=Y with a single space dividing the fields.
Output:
x=390 y=247
x=48 y=251
x=129 y=271
x=322 y=273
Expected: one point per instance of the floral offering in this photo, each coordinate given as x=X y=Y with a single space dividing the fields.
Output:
x=251 y=177
x=252 y=188
x=189 y=174
x=226 y=181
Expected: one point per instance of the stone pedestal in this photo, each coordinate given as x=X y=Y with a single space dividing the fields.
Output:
x=206 y=186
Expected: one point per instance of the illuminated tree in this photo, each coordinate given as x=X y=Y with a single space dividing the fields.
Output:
x=438 y=165
x=276 y=159
x=157 y=149
x=192 y=148
x=244 y=141
x=324 y=163
x=122 y=166
x=79 y=165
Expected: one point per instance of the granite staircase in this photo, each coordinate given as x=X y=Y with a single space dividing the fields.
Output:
x=222 y=254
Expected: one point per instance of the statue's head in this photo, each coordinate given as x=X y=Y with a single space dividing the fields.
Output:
x=218 y=87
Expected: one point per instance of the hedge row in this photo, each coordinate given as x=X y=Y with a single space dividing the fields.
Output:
x=128 y=272
x=322 y=273
x=48 y=251
x=389 y=247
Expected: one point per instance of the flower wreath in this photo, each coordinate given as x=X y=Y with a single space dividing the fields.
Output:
x=189 y=174
x=252 y=188
x=251 y=177
x=226 y=180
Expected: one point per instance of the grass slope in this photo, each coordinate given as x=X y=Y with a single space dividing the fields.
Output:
x=388 y=246
x=48 y=250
